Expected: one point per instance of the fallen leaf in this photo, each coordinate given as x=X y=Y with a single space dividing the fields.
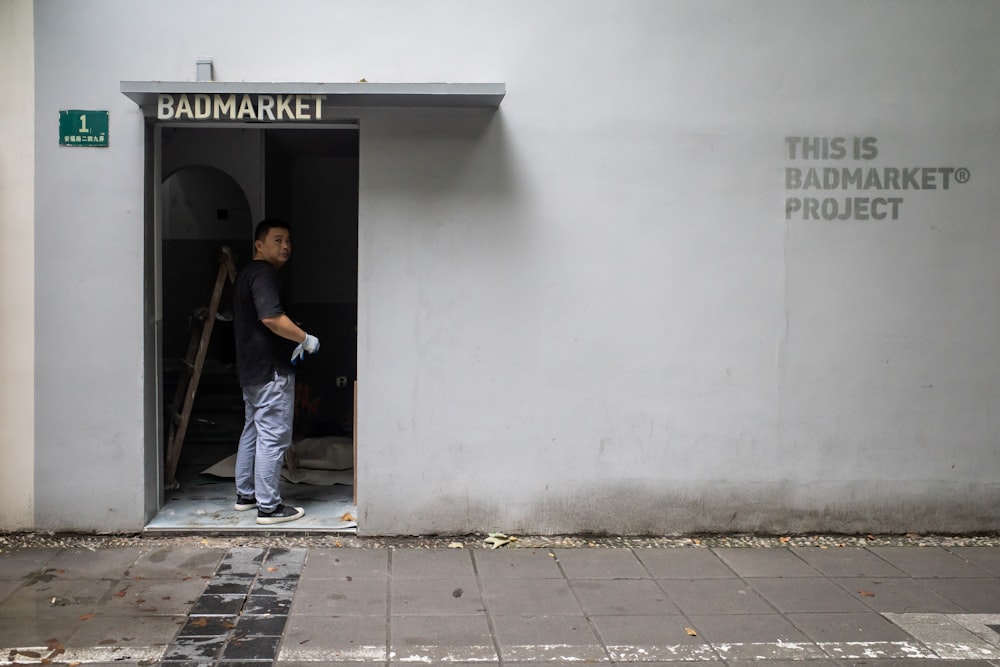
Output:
x=691 y=631
x=122 y=593
x=867 y=594
x=495 y=540
x=272 y=569
x=86 y=617
x=347 y=517
x=75 y=663
x=784 y=540
x=456 y=545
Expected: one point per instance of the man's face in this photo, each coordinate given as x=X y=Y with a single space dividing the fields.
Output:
x=275 y=248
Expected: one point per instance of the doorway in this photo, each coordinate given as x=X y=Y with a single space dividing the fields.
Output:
x=213 y=184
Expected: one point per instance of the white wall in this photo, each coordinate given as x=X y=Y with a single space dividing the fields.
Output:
x=17 y=248
x=588 y=311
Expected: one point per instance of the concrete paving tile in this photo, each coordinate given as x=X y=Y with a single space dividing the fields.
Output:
x=56 y=599
x=261 y=626
x=24 y=562
x=945 y=635
x=807 y=595
x=441 y=639
x=194 y=649
x=927 y=562
x=328 y=597
x=340 y=663
x=774 y=562
x=622 y=596
x=715 y=596
x=153 y=596
x=8 y=586
x=431 y=563
x=770 y=651
x=651 y=638
x=975 y=596
x=36 y=629
x=176 y=563
x=280 y=563
x=896 y=595
x=110 y=563
x=241 y=560
x=847 y=627
x=694 y=563
x=536 y=597
x=334 y=639
x=206 y=626
x=747 y=628
x=516 y=564
x=218 y=605
x=770 y=637
x=546 y=638
x=600 y=564
x=912 y=662
x=826 y=662
x=126 y=661
x=267 y=604
x=228 y=584
x=455 y=595
x=986 y=558
x=847 y=562
x=279 y=588
x=250 y=648
x=342 y=563
x=132 y=630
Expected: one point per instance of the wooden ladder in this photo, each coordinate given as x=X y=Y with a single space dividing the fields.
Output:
x=194 y=362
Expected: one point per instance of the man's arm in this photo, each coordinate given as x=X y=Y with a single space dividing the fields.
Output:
x=283 y=326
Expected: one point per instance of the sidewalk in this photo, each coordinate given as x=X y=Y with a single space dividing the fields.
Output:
x=302 y=606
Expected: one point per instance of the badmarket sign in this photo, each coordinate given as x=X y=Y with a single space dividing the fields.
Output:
x=240 y=107
x=843 y=178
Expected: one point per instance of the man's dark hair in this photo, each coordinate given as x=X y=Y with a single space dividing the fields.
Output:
x=266 y=225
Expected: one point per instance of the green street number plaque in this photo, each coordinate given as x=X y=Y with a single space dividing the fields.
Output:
x=83 y=128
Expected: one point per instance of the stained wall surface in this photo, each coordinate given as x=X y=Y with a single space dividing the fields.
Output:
x=719 y=265
x=17 y=107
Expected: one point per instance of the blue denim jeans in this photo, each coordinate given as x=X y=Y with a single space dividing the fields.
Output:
x=267 y=435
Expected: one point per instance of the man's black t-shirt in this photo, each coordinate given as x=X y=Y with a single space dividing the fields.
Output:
x=259 y=351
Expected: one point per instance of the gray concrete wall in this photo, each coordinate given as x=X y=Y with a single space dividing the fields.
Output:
x=17 y=299
x=588 y=311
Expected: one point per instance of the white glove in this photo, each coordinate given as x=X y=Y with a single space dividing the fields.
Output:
x=310 y=345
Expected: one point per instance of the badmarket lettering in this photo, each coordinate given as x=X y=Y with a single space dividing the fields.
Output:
x=202 y=106
x=870 y=192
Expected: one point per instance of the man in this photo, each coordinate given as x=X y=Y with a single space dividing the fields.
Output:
x=266 y=374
